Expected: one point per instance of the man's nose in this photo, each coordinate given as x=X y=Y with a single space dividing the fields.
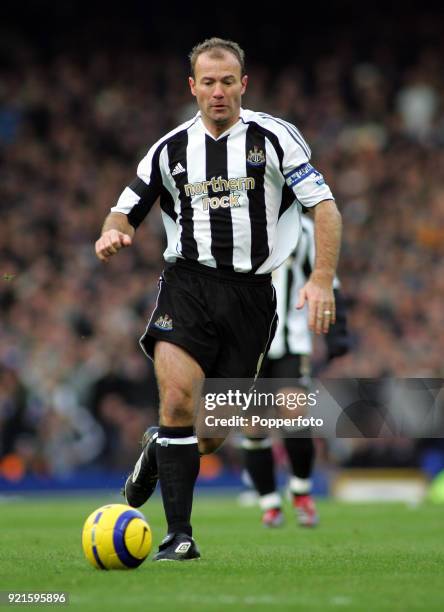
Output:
x=218 y=91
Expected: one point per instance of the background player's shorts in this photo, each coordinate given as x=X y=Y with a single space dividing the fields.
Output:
x=295 y=367
x=225 y=320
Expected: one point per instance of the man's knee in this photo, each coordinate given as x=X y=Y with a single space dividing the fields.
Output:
x=176 y=407
x=180 y=379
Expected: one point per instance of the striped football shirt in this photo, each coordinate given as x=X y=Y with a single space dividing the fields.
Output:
x=230 y=202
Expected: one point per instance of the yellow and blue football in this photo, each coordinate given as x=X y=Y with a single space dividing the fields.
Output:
x=116 y=536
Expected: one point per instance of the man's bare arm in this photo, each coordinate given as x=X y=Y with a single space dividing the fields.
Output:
x=117 y=232
x=318 y=290
x=328 y=228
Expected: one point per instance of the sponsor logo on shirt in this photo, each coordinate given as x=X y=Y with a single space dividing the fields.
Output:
x=232 y=189
x=226 y=201
x=216 y=184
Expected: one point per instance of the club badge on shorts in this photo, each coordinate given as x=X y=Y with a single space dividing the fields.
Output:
x=164 y=323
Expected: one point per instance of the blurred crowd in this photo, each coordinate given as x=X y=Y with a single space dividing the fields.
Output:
x=75 y=389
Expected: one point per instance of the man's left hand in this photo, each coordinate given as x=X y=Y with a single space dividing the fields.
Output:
x=321 y=304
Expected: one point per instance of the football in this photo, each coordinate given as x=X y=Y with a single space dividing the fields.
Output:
x=116 y=536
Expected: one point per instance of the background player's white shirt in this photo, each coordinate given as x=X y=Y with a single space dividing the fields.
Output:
x=253 y=224
x=292 y=334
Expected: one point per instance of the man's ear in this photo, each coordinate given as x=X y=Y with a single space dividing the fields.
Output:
x=244 y=81
x=192 y=85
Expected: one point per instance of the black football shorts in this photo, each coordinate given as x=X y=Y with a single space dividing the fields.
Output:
x=225 y=320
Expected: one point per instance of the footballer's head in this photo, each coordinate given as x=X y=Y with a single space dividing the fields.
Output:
x=218 y=81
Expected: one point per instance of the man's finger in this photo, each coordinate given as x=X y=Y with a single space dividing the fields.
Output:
x=319 y=319
x=113 y=242
x=326 y=315
x=302 y=298
x=110 y=249
x=312 y=313
x=114 y=247
x=99 y=249
x=125 y=240
x=101 y=255
x=326 y=321
x=104 y=249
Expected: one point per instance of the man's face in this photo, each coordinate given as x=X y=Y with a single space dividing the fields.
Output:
x=218 y=87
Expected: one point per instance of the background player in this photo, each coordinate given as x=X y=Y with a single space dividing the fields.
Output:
x=289 y=357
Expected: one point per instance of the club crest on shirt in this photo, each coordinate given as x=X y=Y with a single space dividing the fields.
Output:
x=165 y=323
x=256 y=156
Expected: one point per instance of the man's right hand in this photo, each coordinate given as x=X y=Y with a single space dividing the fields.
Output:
x=110 y=242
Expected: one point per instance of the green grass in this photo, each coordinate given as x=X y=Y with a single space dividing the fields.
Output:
x=362 y=557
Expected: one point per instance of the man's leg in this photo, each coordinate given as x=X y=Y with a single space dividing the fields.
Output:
x=301 y=455
x=142 y=481
x=180 y=380
x=259 y=464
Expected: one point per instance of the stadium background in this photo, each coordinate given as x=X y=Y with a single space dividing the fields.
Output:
x=84 y=90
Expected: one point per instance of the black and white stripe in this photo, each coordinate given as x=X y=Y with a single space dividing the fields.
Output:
x=228 y=225
x=177 y=153
x=257 y=207
x=221 y=225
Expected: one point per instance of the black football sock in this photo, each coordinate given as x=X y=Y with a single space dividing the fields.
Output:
x=301 y=454
x=178 y=466
x=259 y=464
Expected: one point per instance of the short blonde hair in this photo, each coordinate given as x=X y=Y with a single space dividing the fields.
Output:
x=215 y=44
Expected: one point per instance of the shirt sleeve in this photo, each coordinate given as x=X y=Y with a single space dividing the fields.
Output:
x=307 y=183
x=138 y=198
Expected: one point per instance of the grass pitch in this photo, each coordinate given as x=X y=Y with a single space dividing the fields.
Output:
x=361 y=557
